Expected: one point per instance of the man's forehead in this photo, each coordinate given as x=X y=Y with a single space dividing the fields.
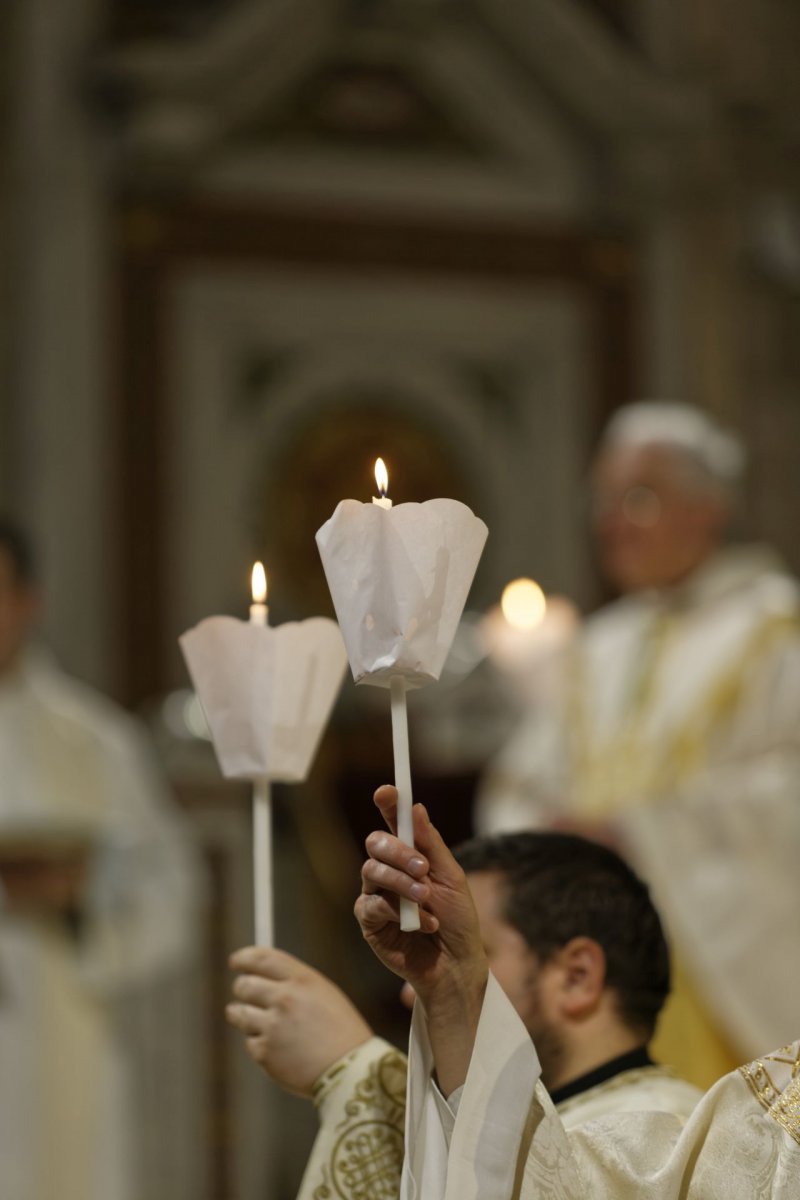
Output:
x=637 y=458
x=653 y=465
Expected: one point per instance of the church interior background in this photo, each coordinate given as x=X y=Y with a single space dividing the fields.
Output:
x=248 y=245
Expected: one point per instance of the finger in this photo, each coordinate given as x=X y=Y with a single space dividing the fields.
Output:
x=428 y=923
x=385 y=798
x=266 y=961
x=256 y=991
x=248 y=1020
x=374 y=912
x=377 y=876
x=386 y=848
x=430 y=842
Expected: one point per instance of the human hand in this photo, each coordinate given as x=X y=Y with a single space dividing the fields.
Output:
x=444 y=961
x=448 y=948
x=296 y=1021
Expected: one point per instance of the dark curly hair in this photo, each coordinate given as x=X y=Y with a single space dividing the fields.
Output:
x=559 y=886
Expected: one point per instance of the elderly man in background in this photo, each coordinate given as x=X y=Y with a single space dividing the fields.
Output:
x=99 y=892
x=674 y=733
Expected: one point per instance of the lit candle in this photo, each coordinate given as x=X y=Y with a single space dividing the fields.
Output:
x=396 y=629
x=259 y=612
x=382 y=480
x=262 y=797
x=523 y=604
x=409 y=911
x=525 y=637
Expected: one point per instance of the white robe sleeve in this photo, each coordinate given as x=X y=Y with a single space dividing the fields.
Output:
x=508 y=1143
x=501 y=1098
x=358 y=1151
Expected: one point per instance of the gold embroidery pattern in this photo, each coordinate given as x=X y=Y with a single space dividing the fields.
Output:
x=781 y=1100
x=366 y=1162
x=629 y=766
x=328 y=1081
x=367 y=1157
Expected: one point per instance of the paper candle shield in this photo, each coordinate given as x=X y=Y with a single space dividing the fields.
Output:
x=267 y=692
x=399 y=580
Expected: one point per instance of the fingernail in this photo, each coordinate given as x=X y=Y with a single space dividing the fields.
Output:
x=416 y=866
x=418 y=891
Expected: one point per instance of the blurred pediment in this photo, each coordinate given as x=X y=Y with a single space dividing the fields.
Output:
x=428 y=95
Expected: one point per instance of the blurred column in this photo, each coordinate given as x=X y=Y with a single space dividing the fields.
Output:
x=59 y=432
x=665 y=370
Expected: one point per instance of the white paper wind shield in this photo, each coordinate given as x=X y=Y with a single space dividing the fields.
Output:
x=267 y=692
x=399 y=580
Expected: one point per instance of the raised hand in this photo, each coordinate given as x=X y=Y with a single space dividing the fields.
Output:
x=296 y=1021
x=444 y=961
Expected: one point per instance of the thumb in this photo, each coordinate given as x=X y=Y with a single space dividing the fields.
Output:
x=428 y=839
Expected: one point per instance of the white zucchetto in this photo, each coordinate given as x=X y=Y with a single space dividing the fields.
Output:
x=684 y=427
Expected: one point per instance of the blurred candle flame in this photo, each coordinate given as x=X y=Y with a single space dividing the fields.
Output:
x=381 y=476
x=258 y=583
x=523 y=604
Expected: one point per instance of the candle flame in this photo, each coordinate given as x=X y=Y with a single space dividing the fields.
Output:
x=523 y=604
x=381 y=476
x=258 y=583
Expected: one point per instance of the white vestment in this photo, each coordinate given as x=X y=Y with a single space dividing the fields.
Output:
x=679 y=721
x=361 y=1100
x=506 y=1140
x=643 y=1089
x=74 y=766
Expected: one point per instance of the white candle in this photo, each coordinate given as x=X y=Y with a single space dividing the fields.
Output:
x=262 y=799
x=382 y=480
x=409 y=911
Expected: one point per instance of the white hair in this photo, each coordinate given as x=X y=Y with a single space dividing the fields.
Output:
x=681 y=427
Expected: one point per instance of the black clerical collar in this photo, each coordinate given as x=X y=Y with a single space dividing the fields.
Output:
x=631 y=1061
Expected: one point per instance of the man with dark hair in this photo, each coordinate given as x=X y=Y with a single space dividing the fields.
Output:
x=572 y=938
x=479 y=1122
x=576 y=944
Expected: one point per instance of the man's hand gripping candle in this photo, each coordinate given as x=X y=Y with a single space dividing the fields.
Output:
x=444 y=961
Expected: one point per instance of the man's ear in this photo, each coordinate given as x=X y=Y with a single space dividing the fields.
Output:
x=582 y=967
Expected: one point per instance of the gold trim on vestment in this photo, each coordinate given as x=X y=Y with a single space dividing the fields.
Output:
x=366 y=1158
x=780 y=1099
x=633 y=768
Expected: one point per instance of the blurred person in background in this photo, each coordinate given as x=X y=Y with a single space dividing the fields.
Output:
x=674 y=733
x=99 y=908
x=571 y=936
